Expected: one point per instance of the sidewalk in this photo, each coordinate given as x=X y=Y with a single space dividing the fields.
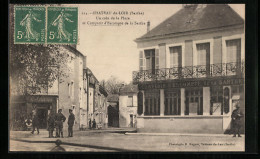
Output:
x=179 y=134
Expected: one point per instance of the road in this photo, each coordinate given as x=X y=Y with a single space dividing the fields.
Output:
x=101 y=141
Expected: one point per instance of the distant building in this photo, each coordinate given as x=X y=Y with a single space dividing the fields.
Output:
x=113 y=110
x=191 y=71
x=96 y=106
x=128 y=106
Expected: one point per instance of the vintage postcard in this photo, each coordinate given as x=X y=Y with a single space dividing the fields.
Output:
x=127 y=77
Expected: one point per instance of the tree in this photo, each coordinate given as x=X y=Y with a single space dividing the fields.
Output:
x=34 y=67
x=112 y=85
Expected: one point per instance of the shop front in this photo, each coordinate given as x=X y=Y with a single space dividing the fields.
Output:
x=21 y=109
x=189 y=105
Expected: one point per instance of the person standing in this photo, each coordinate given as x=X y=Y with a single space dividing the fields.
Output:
x=71 y=120
x=51 y=124
x=89 y=124
x=236 y=120
x=94 y=124
x=59 y=119
x=35 y=121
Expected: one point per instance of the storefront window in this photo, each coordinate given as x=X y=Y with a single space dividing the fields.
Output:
x=216 y=101
x=194 y=101
x=152 y=102
x=172 y=102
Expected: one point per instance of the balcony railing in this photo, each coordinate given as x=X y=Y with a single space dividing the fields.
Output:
x=201 y=71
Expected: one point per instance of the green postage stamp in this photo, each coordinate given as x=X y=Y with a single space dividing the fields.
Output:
x=29 y=24
x=62 y=25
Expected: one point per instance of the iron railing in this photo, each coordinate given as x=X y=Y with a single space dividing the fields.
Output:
x=200 y=71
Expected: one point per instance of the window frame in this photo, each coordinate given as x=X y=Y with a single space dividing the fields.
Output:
x=233 y=37
x=168 y=46
x=132 y=101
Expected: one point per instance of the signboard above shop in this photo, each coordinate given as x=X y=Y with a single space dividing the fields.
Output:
x=192 y=83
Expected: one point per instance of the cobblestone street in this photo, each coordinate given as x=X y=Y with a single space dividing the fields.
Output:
x=97 y=141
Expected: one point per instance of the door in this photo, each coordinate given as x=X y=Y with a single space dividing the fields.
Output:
x=42 y=117
x=131 y=120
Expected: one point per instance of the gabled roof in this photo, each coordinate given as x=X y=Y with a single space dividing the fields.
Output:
x=196 y=17
x=130 y=88
x=113 y=98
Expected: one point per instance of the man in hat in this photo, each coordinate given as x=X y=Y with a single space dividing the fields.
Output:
x=71 y=120
x=236 y=120
x=59 y=119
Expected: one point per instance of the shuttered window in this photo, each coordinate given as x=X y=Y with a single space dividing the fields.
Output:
x=140 y=103
x=233 y=50
x=203 y=59
x=175 y=56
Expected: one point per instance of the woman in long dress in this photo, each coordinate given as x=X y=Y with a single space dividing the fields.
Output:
x=60 y=23
x=28 y=23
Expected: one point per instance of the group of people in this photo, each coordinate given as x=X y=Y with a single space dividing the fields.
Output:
x=92 y=125
x=55 y=120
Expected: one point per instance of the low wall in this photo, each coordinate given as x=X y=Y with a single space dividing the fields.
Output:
x=196 y=124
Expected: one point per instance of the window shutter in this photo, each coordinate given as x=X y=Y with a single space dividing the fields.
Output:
x=141 y=60
x=140 y=103
x=156 y=58
x=179 y=56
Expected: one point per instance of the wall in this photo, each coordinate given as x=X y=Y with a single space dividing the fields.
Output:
x=66 y=100
x=125 y=111
x=215 y=37
x=100 y=108
x=211 y=125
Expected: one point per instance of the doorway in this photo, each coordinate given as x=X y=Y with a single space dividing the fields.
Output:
x=113 y=116
x=42 y=114
x=131 y=121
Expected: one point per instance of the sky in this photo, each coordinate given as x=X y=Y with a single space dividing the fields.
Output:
x=111 y=50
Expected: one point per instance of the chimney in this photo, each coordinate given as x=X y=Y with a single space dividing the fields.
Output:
x=148 y=26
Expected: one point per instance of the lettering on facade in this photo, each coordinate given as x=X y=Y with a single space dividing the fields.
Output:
x=198 y=83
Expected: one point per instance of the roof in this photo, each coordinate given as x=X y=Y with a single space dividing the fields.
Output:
x=102 y=90
x=129 y=89
x=113 y=98
x=73 y=49
x=93 y=78
x=197 y=17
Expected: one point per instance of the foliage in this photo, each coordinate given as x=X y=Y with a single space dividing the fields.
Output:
x=34 y=68
x=112 y=85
